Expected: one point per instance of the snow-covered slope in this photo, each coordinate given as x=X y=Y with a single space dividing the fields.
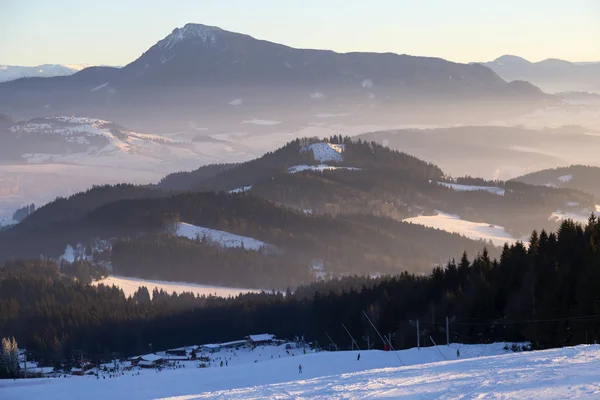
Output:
x=95 y=142
x=11 y=72
x=131 y=285
x=482 y=371
x=472 y=230
x=471 y=188
x=318 y=168
x=220 y=238
x=326 y=152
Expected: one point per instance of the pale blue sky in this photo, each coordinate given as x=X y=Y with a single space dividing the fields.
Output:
x=116 y=32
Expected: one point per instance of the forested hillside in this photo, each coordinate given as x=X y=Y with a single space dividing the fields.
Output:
x=547 y=294
x=580 y=177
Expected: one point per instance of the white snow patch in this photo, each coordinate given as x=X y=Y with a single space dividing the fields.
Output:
x=367 y=83
x=221 y=238
x=317 y=95
x=207 y=34
x=473 y=230
x=325 y=152
x=470 y=188
x=572 y=204
x=99 y=87
x=261 y=122
x=565 y=178
x=319 y=168
x=236 y=102
x=131 y=285
x=241 y=189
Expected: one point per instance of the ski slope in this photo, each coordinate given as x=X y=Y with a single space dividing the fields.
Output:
x=131 y=285
x=473 y=230
x=482 y=371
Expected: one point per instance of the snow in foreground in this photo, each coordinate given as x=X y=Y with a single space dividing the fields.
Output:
x=131 y=285
x=221 y=238
x=473 y=230
x=482 y=371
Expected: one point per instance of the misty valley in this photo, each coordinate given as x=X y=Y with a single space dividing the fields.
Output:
x=159 y=215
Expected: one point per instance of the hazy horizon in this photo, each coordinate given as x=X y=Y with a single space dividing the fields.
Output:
x=460 y=32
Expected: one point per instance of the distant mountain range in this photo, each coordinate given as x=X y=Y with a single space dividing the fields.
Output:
x=551 y=75
x=201 y=72
x=12 y=72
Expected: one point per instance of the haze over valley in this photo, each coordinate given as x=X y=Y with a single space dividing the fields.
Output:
x=213 y=212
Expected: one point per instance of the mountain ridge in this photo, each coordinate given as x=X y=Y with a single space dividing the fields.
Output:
x=197 y=70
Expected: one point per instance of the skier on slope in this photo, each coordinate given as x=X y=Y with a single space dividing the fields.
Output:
x=299 y=368
x=457 y=353
x=358 y=357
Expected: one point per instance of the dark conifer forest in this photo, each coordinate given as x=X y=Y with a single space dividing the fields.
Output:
x=546 y=293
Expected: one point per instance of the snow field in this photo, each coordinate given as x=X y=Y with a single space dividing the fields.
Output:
x=470 y=188
x=131 y=285
x=325 y=152
x=473 y=230
x=319 y=168
x=565 y=178
x=270 y=372
x=220 y=238
x=568 y=373
x=241 y=189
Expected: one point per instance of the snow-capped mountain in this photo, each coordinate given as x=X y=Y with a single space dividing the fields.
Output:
x=12 y=72
x=199 y=72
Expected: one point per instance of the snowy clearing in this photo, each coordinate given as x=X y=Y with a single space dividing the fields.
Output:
x=99 y=87
x=131 y=285
x=470 y=188
x=319 y=168
x=261 y=122
x=565 y=178
x=473 y=230
x=236 y=102
x=221 y=238
x=325 y=152
x=377 y=374
x=241 y=189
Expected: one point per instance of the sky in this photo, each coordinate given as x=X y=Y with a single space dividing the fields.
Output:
x=116 y=32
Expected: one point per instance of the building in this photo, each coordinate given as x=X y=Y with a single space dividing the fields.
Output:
x=180 y=352
x=147 y=361
x=260 y=339
x=215 y=347
x=210 y=348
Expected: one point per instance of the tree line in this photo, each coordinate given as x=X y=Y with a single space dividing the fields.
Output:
x=546 y=293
